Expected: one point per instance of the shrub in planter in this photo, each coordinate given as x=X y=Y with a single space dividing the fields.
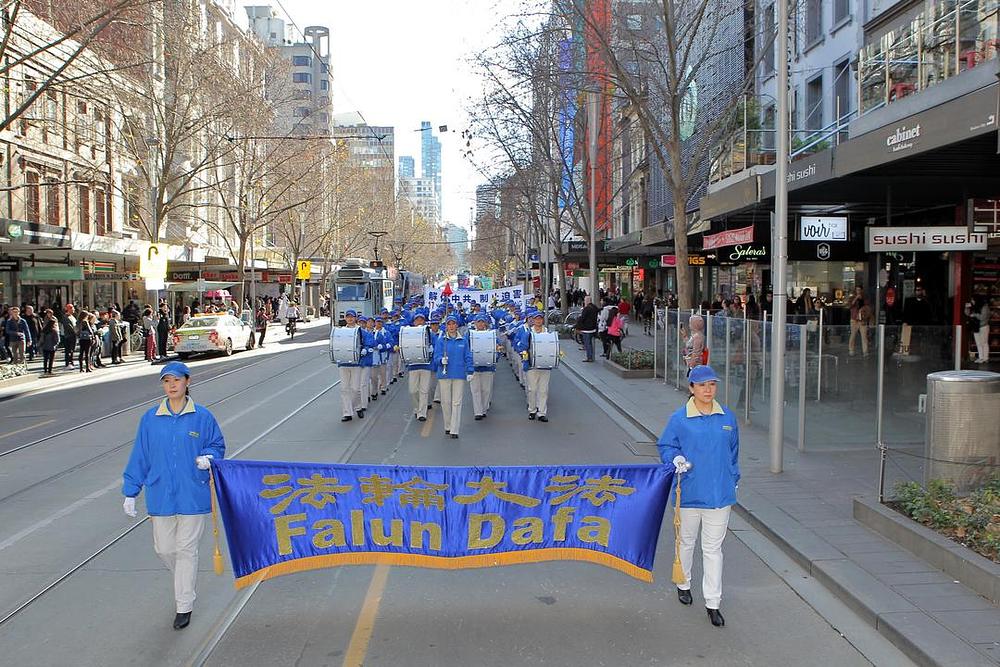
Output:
x=8 y=371
x=634 y=359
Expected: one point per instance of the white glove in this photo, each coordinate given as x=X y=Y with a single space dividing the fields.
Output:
x=203 y=462
x=681 y=464
x=469 y=378
x=129 y=506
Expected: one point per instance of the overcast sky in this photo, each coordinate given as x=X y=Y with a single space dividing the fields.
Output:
x=399 y=62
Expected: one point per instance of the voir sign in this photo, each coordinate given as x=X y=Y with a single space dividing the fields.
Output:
x=822 y=228
x=923 y=239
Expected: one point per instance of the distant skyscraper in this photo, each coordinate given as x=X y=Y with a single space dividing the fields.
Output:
x=486 y=200
x=458 y=239
x=407 y=166
x=430 y=155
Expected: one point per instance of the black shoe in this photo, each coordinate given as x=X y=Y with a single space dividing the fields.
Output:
x=716 y=617
x=684 y=596
x=531 y=416
x=484 y=415
x=430 y=406
x=437 y=400
x=374 y=397
x=447 y=431
x=454 y=436
x=383 y=392
x=421 y=419
x=543 y=418
x=347 y=418
x=478 y=417
x=361 y=414
x=181 y=621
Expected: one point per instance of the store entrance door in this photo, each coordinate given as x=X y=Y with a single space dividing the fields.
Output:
x=46 y=296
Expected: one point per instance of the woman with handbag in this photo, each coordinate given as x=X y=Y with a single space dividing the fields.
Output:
x=85 y=339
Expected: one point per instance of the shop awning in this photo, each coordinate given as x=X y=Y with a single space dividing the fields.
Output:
x=205 y=286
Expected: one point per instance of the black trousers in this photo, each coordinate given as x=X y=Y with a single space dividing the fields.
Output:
x=85 y=354
x=48 y=359
x=69 y=347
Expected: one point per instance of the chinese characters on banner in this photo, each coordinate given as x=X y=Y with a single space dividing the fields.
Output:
x=289 y=517
x=485 y=297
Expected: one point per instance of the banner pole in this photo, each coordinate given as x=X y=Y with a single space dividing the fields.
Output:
x=216 y=554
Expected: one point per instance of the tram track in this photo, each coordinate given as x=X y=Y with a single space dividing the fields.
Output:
x=121 y=536
x=119 y=447
x=134 y=406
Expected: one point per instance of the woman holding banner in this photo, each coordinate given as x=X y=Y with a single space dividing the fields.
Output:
x=702 y=442
x=171 y=457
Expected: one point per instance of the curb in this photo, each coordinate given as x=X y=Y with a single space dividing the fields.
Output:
x=916 y=634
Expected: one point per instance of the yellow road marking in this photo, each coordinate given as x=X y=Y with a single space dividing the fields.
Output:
x=27 y=428
x=358 y=648
x=426 y=430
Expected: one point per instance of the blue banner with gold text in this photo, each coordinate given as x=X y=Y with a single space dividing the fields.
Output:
x=289 y=517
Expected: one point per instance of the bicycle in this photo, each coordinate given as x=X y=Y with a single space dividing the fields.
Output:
x=290 y=327
x=136 y=340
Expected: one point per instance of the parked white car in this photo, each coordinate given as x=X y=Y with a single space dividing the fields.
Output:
x=212 y=333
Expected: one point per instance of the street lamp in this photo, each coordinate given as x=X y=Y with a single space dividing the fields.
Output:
x=377 y=235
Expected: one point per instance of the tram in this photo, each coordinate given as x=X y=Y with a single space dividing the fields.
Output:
x=359 y=287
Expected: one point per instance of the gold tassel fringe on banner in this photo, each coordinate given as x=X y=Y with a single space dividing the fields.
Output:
x=217 y=555
x=678 y=572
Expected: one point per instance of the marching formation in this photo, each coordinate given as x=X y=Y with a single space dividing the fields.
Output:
x=372 y=353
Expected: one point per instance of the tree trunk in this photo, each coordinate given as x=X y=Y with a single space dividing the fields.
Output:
x=242 y=264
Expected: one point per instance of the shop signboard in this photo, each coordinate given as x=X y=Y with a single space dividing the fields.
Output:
x=182 y=276
x=923 y=239
x=745 y=252
x=111 y=277
x=728 y=238
x=693 y=260
x=10 y=264
x=36 y=233
x=52 y=273
x=823 y=228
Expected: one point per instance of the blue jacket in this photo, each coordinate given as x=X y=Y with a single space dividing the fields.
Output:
x=383 y=338
x=162 y=459
x=12 y=328
x=459 y=358
x=367 y=349
x=521 y=342
x=712 y=444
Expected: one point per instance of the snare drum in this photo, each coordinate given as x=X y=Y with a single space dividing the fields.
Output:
x=544 y=350
x=345 y=345
x=484 y=348
x=415 y=344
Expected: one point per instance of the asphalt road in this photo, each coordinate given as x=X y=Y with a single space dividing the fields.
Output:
x=60 y=505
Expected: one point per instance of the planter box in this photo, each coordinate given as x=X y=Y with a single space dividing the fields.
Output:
x=978 y=573
x=628 y=373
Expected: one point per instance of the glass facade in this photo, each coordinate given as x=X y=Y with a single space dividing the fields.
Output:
x=943 y=39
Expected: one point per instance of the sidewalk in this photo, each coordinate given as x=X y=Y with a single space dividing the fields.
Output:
x=133 y=365
x=808 y=511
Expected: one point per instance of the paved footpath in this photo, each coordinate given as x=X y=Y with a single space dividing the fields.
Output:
x=808 y=511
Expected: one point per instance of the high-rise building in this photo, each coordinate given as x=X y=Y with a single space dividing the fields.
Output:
x=370 y=146
x=486 y=200
x=458 y=239
x=407 y=166
x=305 y=99
x=430 y=155
x=421 y=194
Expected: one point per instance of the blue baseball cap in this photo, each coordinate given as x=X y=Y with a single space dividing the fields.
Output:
x=420 y=315
x=350 y=313
x=362 y=318
x=702 y=374
x=380 y=318
x=175 y=369
x=451 y=318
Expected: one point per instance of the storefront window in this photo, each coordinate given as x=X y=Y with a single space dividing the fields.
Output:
x=871 y=74
x=831 y=280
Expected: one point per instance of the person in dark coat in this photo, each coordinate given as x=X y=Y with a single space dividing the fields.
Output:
x=163 y=331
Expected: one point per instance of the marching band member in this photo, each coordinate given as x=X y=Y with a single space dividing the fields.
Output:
x=367 y=361
x=383 y=347
x=536 y=378
x=453 y=363
x=171 y=457
x=702 y=440
x=350 y=378
x=481 y=383
x=420 y=379
x=395 y=367
x=435 y=324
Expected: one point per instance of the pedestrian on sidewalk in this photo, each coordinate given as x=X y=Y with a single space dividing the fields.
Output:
x=694 y=347
x=18 y=335
x=35 y=327
x=616 y=331
x=117 y=330
x=702 y=442
x=67 y=325
x=587 y=326
x=162 y=331
x=171 y=457
x=85 y=336
x=48 y=341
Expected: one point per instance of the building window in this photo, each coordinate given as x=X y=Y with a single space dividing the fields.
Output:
x=768 y=126
x=301 y=61
x=301 y=112
x=841 y=10
x=100 y=213
x=32 y=197
x=842 y=88
x=769 y=41
x=301 y=77
x=814 y=22
x=324 y=84
x=814 y=103
x=52 y=202
x=84 y=210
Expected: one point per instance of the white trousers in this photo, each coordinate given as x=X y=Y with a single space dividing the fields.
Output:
x=713 y=525
x=482 y=391
x=420 y=389
x=350 y=389
x=538 y=390
x=451 y=403
x=175 y=540
x=379 y=375
x=982 y=338
x=366 y=386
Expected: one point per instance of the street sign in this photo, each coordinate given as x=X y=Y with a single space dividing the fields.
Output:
x=303 y=269
x=10 y=265
x=153 y=262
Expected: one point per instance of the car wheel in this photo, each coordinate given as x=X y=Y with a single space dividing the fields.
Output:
x=229 y=347
x=183 y=355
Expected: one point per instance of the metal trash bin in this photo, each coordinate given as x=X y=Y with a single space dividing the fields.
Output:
x=962 y=440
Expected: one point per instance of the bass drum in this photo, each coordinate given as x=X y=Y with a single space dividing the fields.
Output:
x=544 y=350
x=484 y=348
x=345 y=345
x=415 y=344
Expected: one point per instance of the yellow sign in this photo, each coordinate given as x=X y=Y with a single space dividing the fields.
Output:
x=303 y=269
x=153 y=262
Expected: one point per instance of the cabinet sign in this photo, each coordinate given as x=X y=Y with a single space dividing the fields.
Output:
x=815 y=228
x=920 y=239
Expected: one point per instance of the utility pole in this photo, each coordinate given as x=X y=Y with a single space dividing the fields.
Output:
x=779 y=245
x=593 y=102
